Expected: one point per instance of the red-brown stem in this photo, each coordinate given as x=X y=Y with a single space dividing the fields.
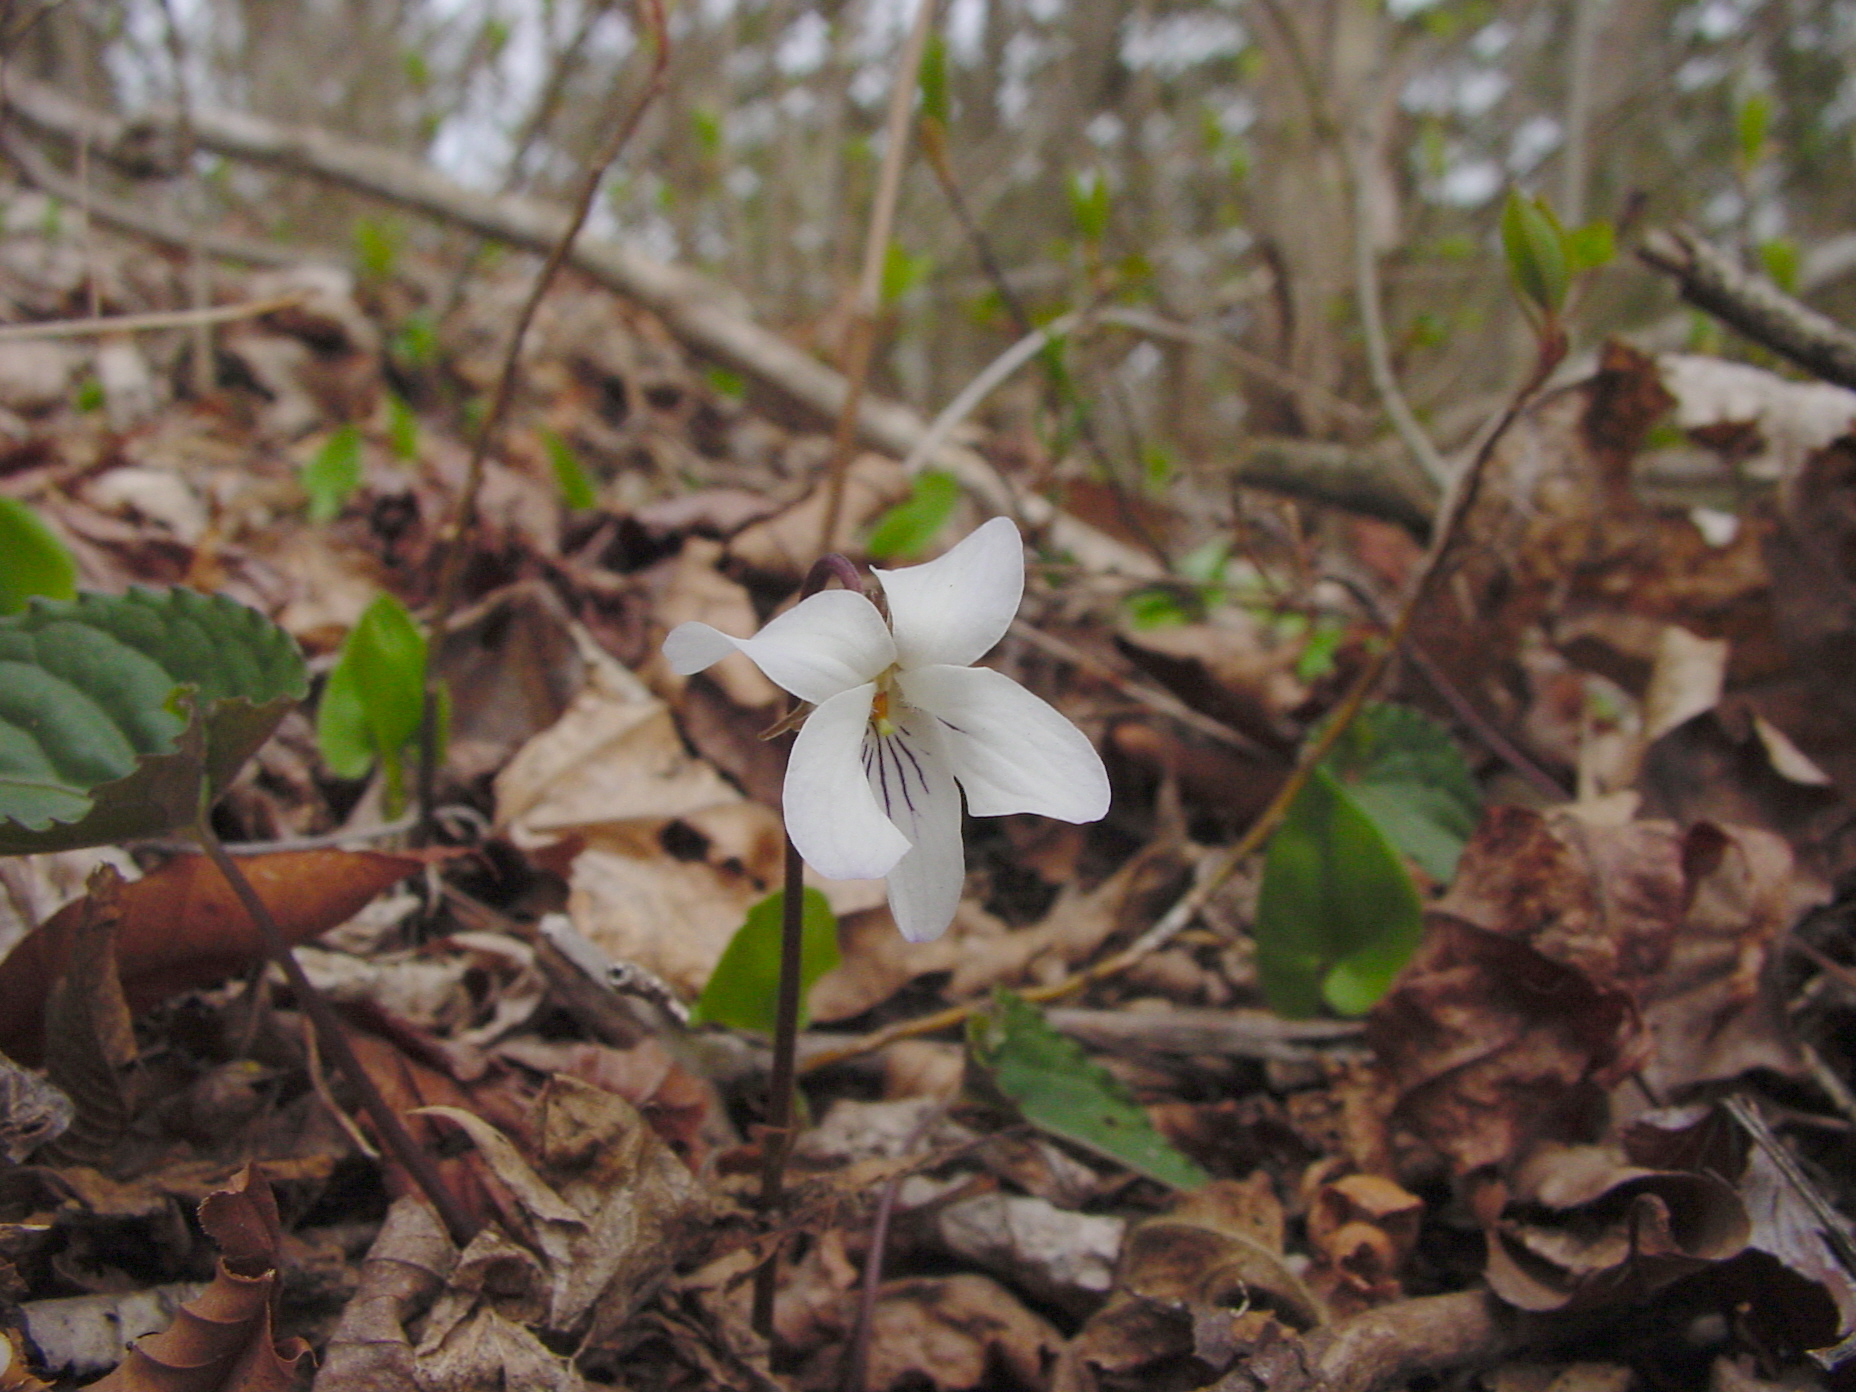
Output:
x=777 y=1135
x=392 y=1131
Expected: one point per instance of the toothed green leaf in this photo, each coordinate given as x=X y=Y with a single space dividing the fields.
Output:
x=117 y=710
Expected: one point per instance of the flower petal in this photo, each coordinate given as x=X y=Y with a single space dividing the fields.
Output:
x=925 y=885
x=831 y=813
x=820 y=647
x=954 y=608
x=693 y=646
x=1010 y=751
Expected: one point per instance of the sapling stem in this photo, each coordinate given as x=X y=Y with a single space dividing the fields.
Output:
x=777 y=1135
x=414 y=1159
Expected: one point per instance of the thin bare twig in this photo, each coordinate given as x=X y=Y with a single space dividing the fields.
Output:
x=145 y=323
x=455 y=537
x=869 y=296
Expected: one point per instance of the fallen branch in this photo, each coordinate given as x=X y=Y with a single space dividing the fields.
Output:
x=1753 y=305
x=701 y=313
x=144 y=323
x=134 y=218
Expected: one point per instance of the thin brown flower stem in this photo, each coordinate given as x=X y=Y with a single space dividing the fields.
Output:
x=417 y=1162
x=777 y=1133
x=455 y=538
x=1220 y=865
x=869 y=297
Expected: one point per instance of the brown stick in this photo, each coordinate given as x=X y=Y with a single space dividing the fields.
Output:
x=1753 y=305
x=387 y=1124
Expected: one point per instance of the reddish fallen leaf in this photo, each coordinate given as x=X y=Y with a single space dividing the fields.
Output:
x=408 y=1085
x=222 y=1340
x=183 y=928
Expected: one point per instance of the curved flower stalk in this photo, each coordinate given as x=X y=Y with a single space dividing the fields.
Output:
x=900 y=718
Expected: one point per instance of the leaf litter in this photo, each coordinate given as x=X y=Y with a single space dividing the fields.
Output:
x=1610 y=1088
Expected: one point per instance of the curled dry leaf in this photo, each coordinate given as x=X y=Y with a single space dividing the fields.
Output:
x=405 y=1269
x=222 y=1341
x=601 y=1223
x=1711 y=1011
x=89 y=1039
x=1362 y=1228
x=1577 y=1226
x=181 y=927
x=1196 y=1286
x=1568 y=955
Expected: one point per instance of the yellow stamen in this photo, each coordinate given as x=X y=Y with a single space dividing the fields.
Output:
x=879 y=713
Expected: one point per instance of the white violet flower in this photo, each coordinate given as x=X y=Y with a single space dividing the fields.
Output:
x=900 y=715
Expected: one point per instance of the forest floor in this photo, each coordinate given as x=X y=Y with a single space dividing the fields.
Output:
x=1593 y=1137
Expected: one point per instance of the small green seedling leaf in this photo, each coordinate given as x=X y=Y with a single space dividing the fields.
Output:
x=402 y=428
x=902 y=271
x=570 y=476
x=907 y=528
x=118 y=712
x=1408 y=775
x=1337 y=914
x=1058 y=1088
x=374 y=699
x=932 y=81
x=1089 y=206
x=731 y=386
x=1780 y=259
x=1162 y=606
x=32 y=559
x=377 y=243
x=1535 y=248
x=1752 y=126
x=416 y=342
x=331 y=477
x=742 y=990
x=1590 y=247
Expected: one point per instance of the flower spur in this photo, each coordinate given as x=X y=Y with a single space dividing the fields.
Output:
x=902 y=724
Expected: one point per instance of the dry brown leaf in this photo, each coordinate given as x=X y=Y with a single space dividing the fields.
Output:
x=406 y=1267
x=699 y=593
x=1575 y=1226
x=783 y=547
x=182 y=927
x=1362 y=1228
x=1196 y=1285
x=1712 y=1011
x=222 y=1341
x=954 y=1334
x=13 y=1374
x=88 y=1037
x=600 y=1222
x=1525 y=987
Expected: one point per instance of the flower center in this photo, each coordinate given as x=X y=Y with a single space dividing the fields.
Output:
x=879 y=706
